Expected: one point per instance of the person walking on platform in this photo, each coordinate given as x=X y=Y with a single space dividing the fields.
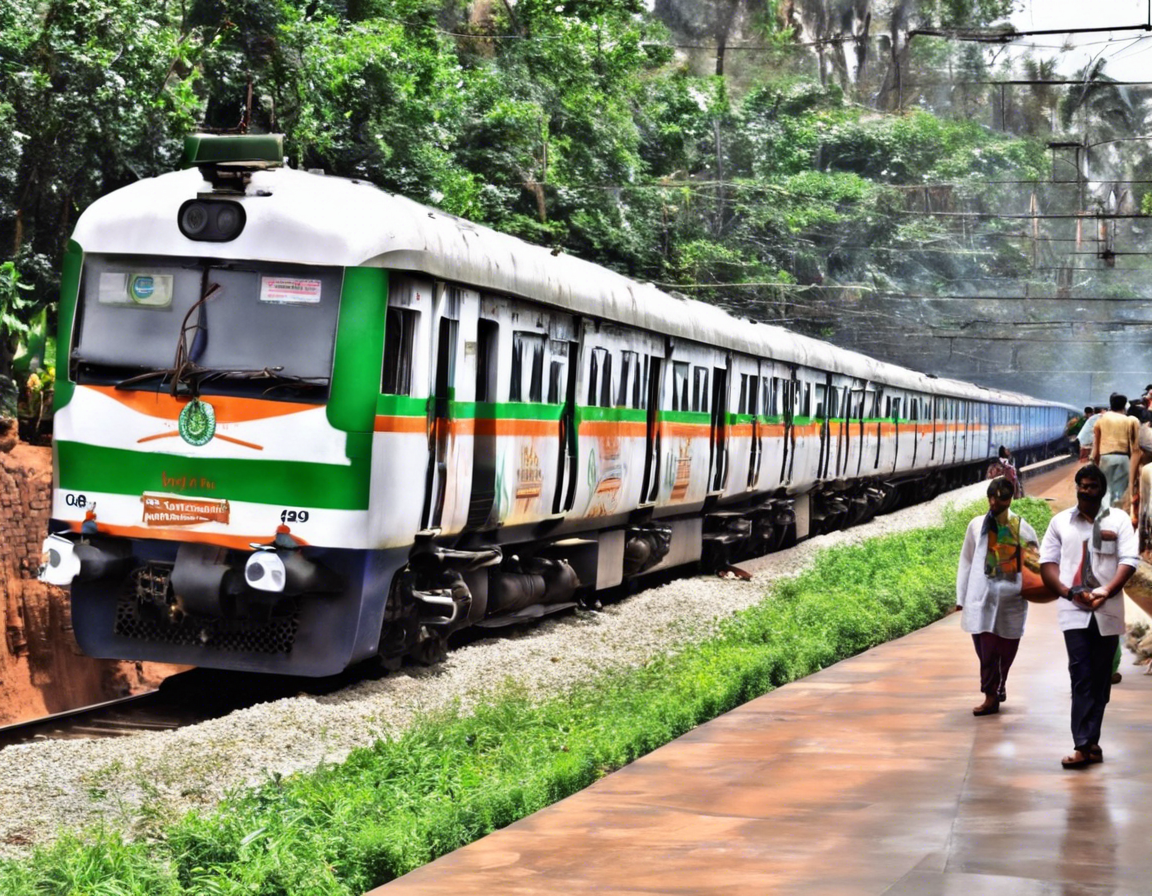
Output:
x=1113 y=442
x=988 y=590
x=1086 y=432
x=1089 y=552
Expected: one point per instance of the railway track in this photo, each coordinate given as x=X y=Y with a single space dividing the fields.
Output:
x=203 y=694
x=185 y=699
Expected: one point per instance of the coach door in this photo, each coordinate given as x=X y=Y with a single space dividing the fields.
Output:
x=793 y=389
x=565 y=495
x=744 y=436
x=484 y=427
x=719 y=451
x=654 y=375
x=448 y=479
x=873 y=408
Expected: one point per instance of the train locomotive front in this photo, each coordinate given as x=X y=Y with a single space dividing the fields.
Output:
x=213 y=437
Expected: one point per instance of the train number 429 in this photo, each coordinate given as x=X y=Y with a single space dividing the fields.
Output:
x=293 y=516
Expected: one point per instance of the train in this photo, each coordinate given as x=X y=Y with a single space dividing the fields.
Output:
x=301 y=422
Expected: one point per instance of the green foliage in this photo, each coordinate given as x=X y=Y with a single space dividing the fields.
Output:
x=13 y=304
x=918 y=146
x=453 y=778
x=379 y=100
x=568 y=124
x=19 y=336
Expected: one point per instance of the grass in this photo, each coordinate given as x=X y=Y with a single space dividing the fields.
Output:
x=452 y=778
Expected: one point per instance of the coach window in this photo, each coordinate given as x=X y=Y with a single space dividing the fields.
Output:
x=399 y=329
x=486 y=355
x=914 y=409
x=629 y=379
x=679 y=386
x=599 y=368
x=527 y=379
x=606 y=381
x=895 y=409
x=557 y=372
x=749 y=393
x=700 y=390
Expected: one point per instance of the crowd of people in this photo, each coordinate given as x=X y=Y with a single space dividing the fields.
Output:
x=1118 y=439
x=1085 y=557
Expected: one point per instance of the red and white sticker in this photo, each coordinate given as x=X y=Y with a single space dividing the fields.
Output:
x=289 y=291
x=172 y=510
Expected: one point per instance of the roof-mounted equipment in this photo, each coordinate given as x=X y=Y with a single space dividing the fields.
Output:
x=228 y=161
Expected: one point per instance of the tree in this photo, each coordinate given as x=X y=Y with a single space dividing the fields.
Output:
x=87 y=104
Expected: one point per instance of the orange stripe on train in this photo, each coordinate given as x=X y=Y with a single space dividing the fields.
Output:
x=483 y=426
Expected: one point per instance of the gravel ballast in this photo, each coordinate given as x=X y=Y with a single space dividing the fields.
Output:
x=51 y=785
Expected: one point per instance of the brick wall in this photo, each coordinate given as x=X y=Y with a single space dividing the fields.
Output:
x=42 y=670
x=25 y=502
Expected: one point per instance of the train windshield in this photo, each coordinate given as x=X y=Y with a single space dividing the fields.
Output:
x=242 y=328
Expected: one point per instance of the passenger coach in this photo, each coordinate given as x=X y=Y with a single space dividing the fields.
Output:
x=305 y=422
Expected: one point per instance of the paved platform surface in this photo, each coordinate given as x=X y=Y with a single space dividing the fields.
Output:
x=871 y=777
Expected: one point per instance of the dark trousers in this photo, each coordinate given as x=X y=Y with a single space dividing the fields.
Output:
x=996 y=655
x=1090 y=668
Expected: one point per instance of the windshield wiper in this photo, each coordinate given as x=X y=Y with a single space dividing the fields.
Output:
x=144 y=377
x=193 y=377
x=208 y=374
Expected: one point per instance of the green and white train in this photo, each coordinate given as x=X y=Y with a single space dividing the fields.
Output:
x=304 y=422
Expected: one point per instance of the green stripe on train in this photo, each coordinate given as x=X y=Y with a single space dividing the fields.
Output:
x=90 y=468
x=586 y=414
x=69 y=292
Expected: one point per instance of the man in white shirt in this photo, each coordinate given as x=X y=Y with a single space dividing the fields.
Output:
x=1089 y=552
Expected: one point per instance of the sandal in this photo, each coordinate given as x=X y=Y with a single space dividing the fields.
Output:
x=1076 y=760
x=1095 y=754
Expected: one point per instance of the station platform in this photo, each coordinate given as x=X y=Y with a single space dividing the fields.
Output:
x=870 y=777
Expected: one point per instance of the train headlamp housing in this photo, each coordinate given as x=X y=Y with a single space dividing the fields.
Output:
x=59 y=564
x=265 y=571
x=211 y=220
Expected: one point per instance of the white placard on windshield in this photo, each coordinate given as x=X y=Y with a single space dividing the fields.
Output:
x=289 y=291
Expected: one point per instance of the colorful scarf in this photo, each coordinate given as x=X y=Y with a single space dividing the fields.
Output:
x=1004 y=559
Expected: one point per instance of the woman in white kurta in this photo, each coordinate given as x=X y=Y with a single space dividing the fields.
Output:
x=988 y=585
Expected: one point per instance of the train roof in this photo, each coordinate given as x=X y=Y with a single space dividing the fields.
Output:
x=306 y=218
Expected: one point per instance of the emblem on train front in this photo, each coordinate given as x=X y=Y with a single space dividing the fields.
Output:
x=197 y=422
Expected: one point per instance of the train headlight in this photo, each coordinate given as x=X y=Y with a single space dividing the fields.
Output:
x=211 y=220
x=264 y=571
x=59 y=563
x=228 y=219
x=193 y=219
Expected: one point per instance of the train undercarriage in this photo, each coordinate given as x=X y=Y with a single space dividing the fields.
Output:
x=204 y=605
x=444 y=590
